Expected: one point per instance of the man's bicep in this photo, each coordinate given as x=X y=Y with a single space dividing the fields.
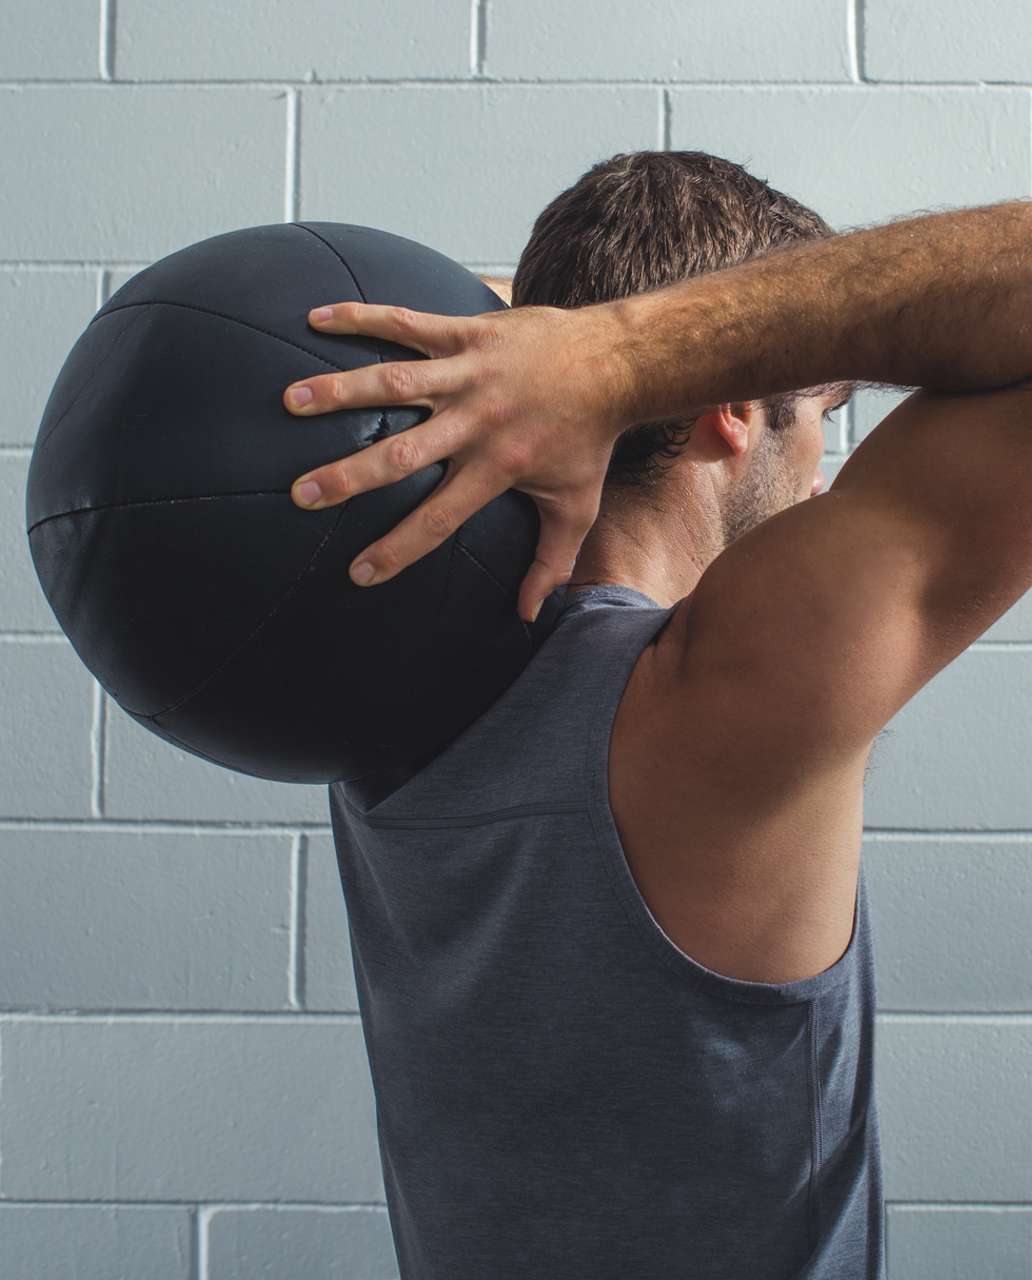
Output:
x=808 y=635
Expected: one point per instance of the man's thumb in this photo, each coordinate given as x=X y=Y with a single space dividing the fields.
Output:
x=559 y=542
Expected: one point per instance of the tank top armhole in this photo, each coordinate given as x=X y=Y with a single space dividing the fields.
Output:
x=614 y=675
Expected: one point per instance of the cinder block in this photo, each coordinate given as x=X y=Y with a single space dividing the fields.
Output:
x=146 y=777
x=42 y=314
x=950 y=920
x=956 y=1242
x=139 y=1109
x=860 y=155
x=463 y=169
x=274 y=40
x=23 y=606
x=96 y=1242
x=45 y=731
x=288 y=1244
x=329 y=974
x=115 y=919
x=957 y=754
x=934 y=40
x=668 y=40
x=49 y=41
x=955 y=1109
x=134 y=173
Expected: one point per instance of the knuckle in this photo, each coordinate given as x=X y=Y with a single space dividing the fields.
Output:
x=404 y=317
x=514 y=457
x=333 y=480
x=482 y=335
x=386 y=556
x=334 y=390
x=494 y=412
x=399 y=379
x=402 y=455
x=438 y=521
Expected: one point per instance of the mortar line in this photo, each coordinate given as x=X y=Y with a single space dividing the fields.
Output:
x=298 y=918
x=292 y=182
x=106 y=50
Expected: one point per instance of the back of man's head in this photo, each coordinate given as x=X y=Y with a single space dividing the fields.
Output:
x=645 y=219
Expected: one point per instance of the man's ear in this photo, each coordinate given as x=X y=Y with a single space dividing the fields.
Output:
x=501 y=285
x=734 y=422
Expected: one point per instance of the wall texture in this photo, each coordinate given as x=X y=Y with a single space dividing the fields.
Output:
x=185 y=1094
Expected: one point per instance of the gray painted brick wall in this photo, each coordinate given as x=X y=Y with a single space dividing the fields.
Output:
x=185 y=1093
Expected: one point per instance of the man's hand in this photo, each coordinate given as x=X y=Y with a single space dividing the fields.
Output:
x=530 y=399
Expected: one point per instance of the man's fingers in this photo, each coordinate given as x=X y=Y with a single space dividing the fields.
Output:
x=384 y=462
x=423 y=331
x=399 y=382
x=461 y=493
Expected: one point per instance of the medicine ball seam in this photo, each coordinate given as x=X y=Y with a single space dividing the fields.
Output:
x=93 y=373
x=383 y=429
x=166 y=732
x=354 y=279
x=482 y=567
x=221 y=315
x=150 y=502
x=232 y=655
x=500 y=585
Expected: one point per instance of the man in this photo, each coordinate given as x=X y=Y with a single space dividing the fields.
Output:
x=612 y=947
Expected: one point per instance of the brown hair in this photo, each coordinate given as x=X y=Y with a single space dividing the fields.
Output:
x=645 y=219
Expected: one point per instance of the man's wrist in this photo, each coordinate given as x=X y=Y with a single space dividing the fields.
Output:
x=608 y=353
x=650 y=386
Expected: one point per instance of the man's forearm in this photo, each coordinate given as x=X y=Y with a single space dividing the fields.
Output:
x=941 y=300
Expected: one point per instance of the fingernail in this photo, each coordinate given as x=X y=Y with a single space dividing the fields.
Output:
x=363 y=573
x=300 y=396
x=308 y=493
x=537 y=610
x=320 y=314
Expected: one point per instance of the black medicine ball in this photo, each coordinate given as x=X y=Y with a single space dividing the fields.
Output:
x=217 y=613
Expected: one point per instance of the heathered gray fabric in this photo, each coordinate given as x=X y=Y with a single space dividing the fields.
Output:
x=562 y=1093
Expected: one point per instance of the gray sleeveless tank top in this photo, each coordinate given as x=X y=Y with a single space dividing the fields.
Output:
x=562 y=1093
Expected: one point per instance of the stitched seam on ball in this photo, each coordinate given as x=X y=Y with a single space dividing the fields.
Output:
x=151 y=502
x=288 y=592
x=480 y=565
x=189 y=306
x=221 y=315
x=501 y=586
x=354 y=279
x=93 y=373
